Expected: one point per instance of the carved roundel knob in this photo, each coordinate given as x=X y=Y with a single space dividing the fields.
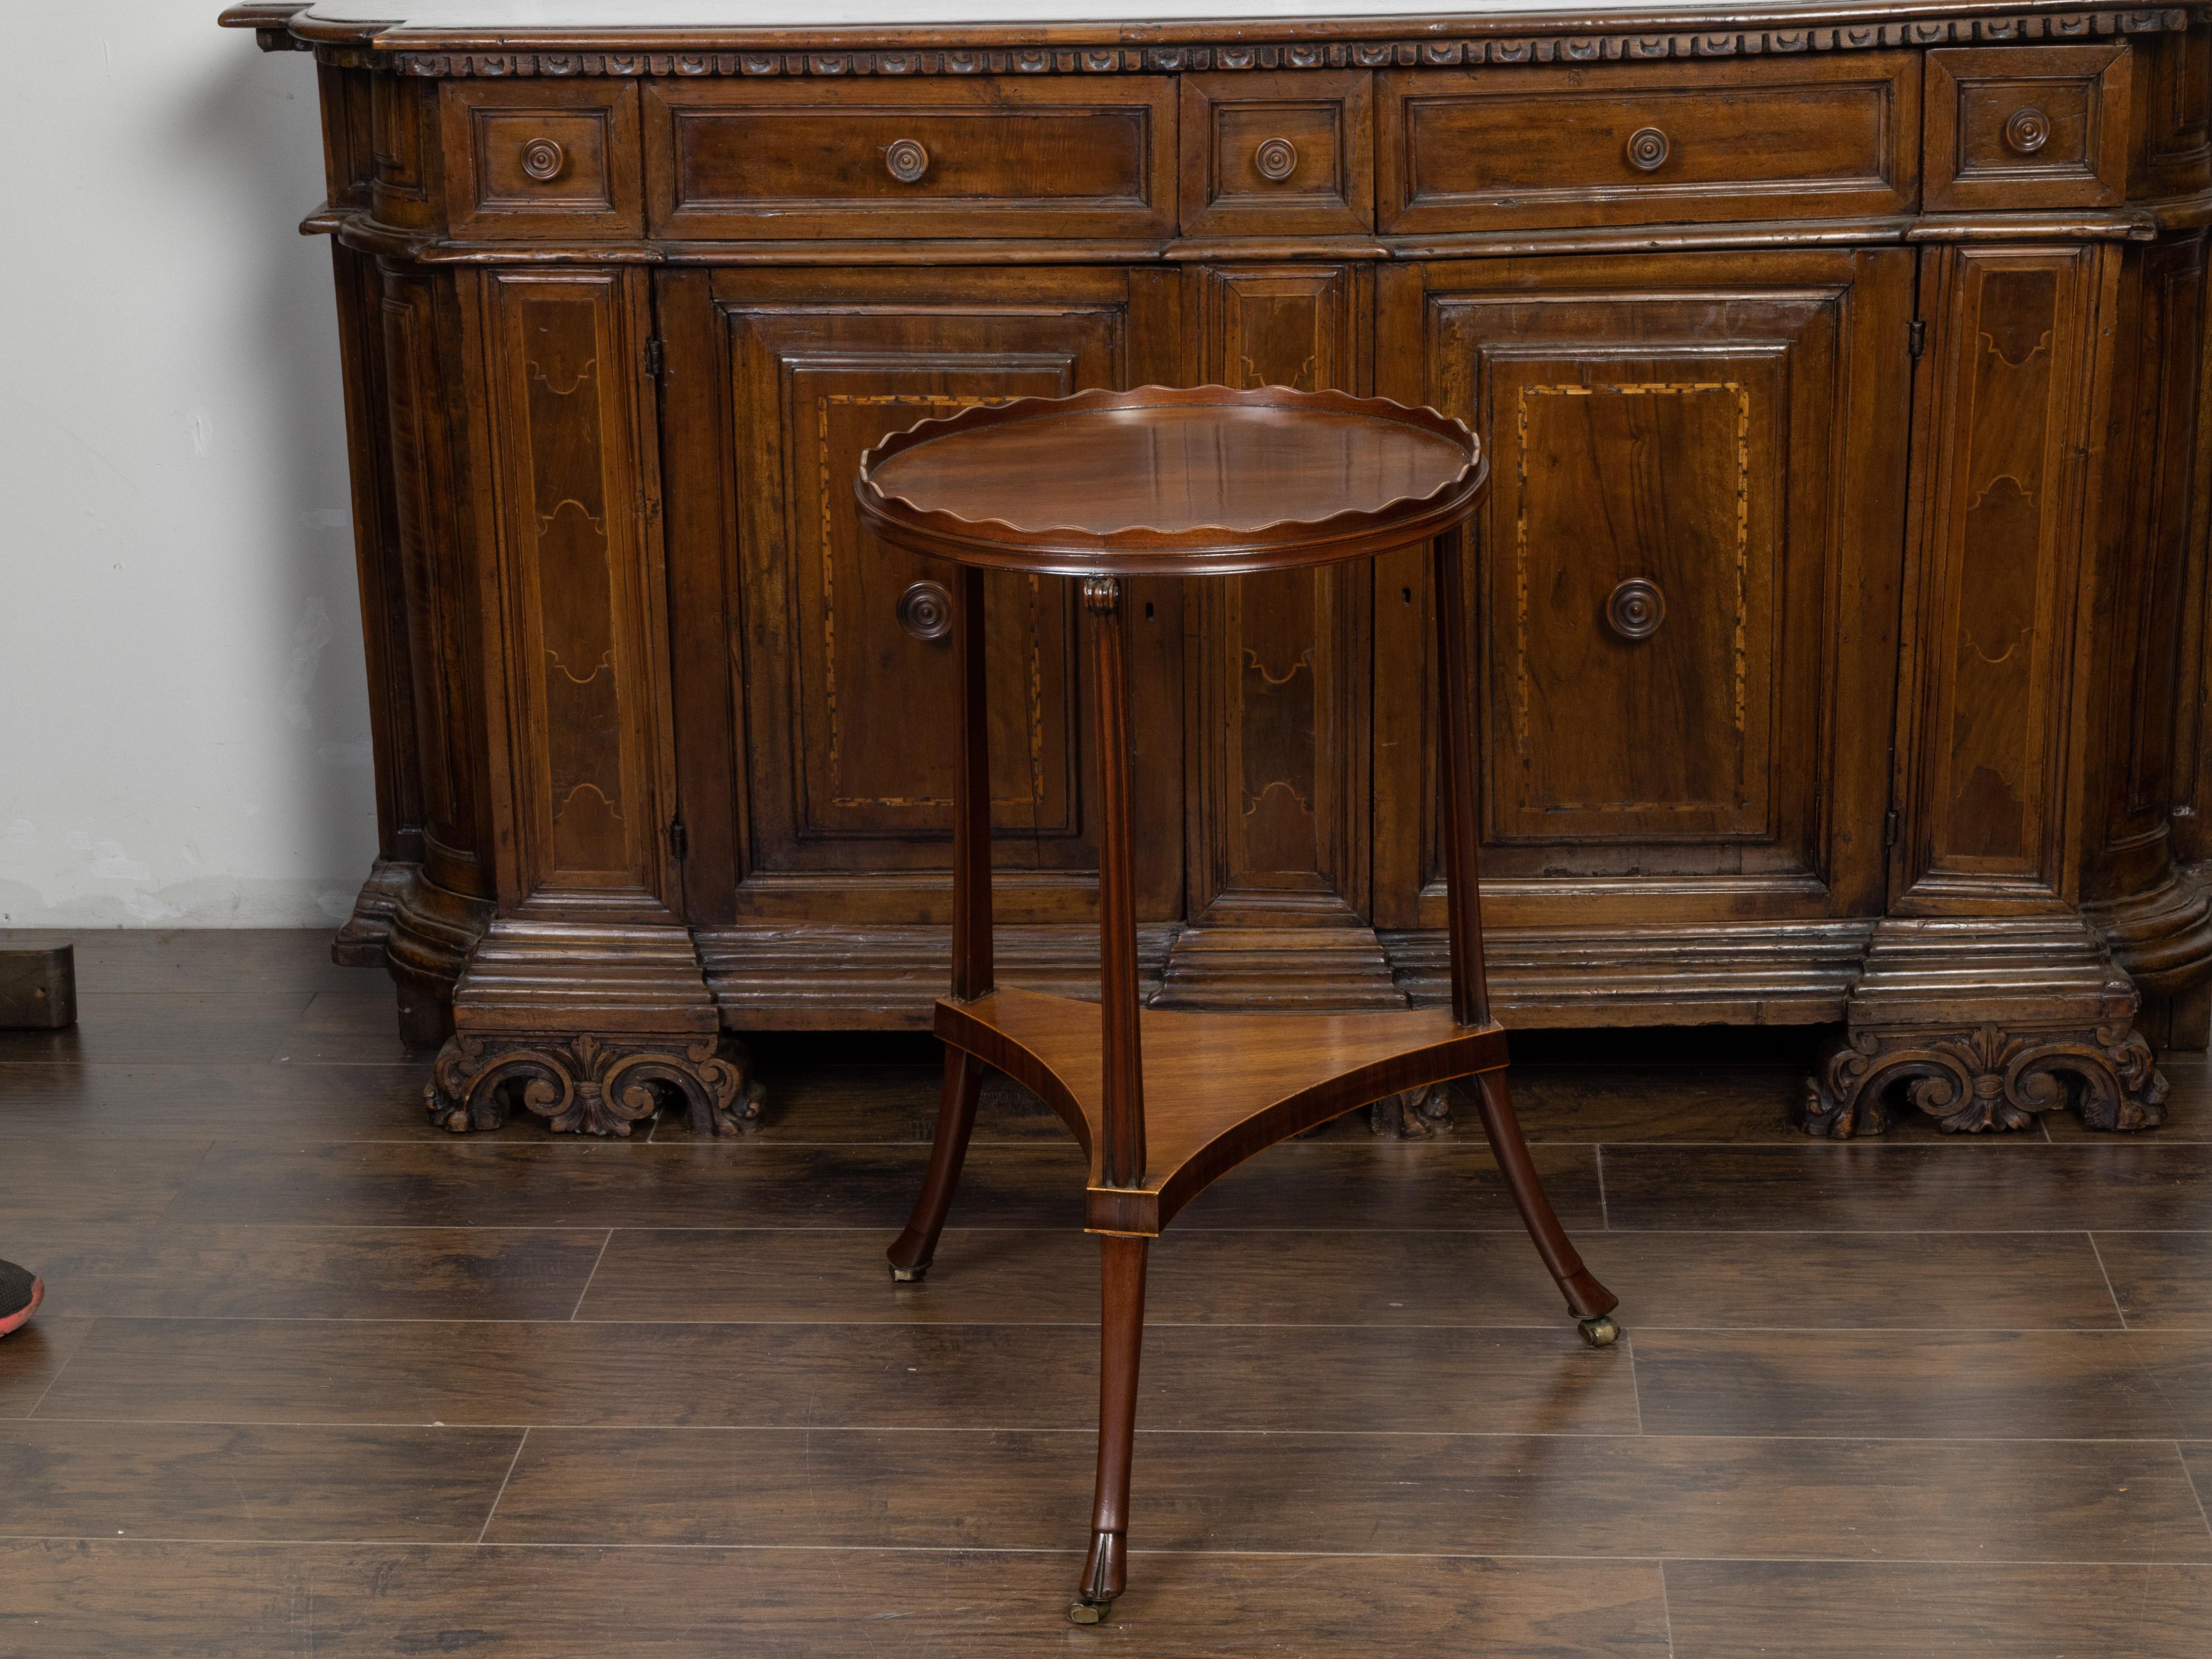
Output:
x=2027 y=131
x=925 y=611
x=906 y=161
x=1636 y=609
x=543 y=160
x=1276 y=159
x=1647 y=149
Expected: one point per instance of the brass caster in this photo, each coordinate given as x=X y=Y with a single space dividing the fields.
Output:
x=1087 y=1613
x=1600 y=1331
x=908 y=1275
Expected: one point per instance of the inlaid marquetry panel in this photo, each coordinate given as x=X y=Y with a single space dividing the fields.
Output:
x=579 y=583
x=847 y=581
x=1684 y=511
x=2014 y=357
x=1279 y=732
x=1617 y=461
x=1712 y=551
x=849 y=697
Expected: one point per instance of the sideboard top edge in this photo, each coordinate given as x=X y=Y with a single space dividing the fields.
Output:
x=705 y=37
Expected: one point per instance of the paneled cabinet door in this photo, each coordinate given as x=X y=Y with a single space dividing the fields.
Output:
x=822 y=789
x=1687 y=605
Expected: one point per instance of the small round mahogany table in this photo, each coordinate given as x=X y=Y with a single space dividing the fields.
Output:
x=1208 y=482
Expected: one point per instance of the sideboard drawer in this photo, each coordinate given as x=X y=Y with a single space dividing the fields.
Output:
x=1278 y=153
x=936 y=158
x=1634 y=144
x=2027 y=127
x=541 y=159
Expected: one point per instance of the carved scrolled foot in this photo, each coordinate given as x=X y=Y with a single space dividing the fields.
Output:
x=587 y=1085
x=2132 y=1094
x=363 y=941
x=1415 y=1114
x=1985 y=1077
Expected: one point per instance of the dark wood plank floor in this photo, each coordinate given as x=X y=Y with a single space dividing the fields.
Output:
x=315 y=1378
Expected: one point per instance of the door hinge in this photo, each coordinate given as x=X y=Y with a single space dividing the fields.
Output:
x=680 y=840
x=654 y=358
x=1915 y=337
x=1889 y=828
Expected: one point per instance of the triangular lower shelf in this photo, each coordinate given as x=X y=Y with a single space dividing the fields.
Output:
x=1218 y=1087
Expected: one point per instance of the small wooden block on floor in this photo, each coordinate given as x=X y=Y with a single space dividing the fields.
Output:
x=38 y=988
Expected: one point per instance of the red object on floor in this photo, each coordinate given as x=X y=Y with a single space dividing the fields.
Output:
x=17 y=1318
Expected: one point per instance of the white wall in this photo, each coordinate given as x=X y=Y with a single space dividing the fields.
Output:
x=184 y=730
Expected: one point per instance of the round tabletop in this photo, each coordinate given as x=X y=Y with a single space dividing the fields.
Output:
x=1172 y=482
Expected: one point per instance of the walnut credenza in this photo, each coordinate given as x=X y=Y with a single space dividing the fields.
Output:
x=1841 y=598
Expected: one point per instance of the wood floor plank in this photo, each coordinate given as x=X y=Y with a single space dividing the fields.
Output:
x=2180 y=1366
x=2118 y=1182
x=575 y=1181
x=1759 y=1610
x=578 y=1182
x=778 y=1376
x=165 y=1026
x=240 y=1100
x=168 y=959
x=2196 y=1457
x=278 y=1483
x=355 y=1024
x=110 y=1183
x=314 y=1273
x=1913 y=1384
x=1934 y=1280
x=2162 y=1280
x=1497 y=1495
x=34 y=1356
x=272 y=1602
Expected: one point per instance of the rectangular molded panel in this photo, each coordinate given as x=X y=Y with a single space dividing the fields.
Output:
x=1693 y=429
x=937 y=158
x=1631 y=143
x=542 y=159
x=853 y=749
x=2013 y=372
x=1575 y=525
x=582 y=614
x=2027 y=127
x=1278 y=153
x=1279 y=710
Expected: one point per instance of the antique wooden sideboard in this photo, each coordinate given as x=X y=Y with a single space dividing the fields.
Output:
x=1842 y=595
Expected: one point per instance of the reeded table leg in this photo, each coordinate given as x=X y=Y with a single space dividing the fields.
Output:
x=971 y=937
